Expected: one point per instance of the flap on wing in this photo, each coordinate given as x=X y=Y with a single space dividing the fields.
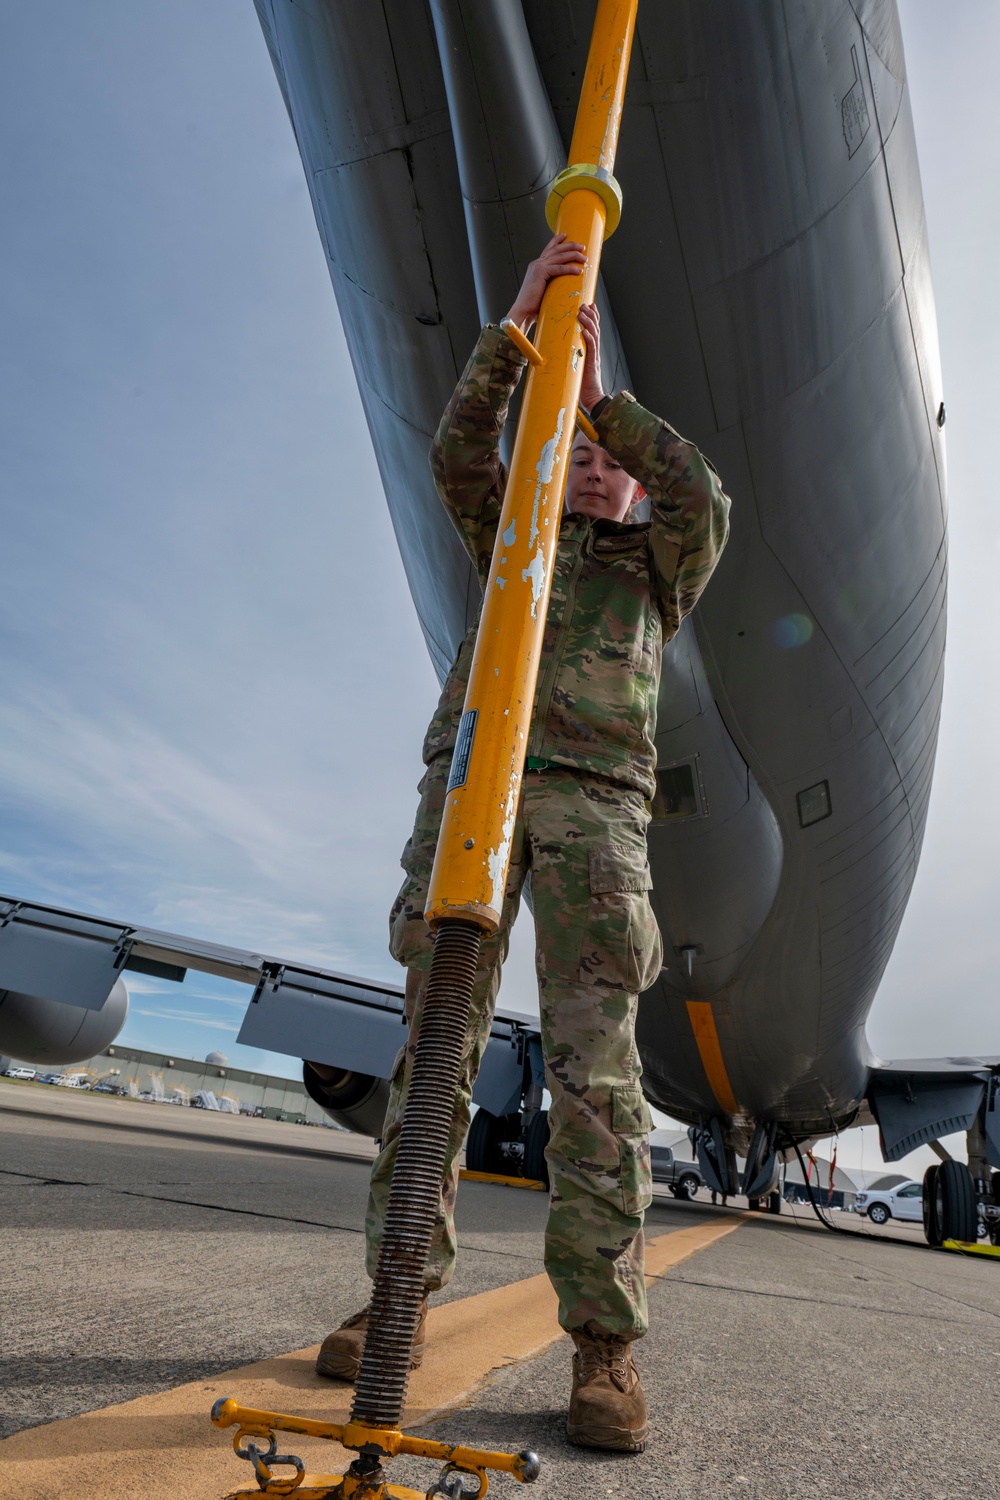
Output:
x=915 y=1102
x=56 y=955
x=310 y=1015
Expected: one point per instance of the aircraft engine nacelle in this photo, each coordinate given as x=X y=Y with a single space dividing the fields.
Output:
x=355 y=1100
x=51 y=1032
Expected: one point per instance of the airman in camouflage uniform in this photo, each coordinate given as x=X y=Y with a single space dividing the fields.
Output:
x=619 y=591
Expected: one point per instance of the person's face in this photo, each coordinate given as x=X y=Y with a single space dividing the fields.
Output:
x=597 y=485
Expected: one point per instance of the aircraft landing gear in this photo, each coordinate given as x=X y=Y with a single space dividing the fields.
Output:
x=509 y=1145
x=536 y=1138
x=686 y=1188
x=717 y=1159
x=949 y=1204
x=760 y=1173
x=492 y=1144
x=932 y=1228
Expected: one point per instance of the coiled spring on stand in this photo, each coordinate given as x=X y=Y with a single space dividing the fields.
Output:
x=414 y=1197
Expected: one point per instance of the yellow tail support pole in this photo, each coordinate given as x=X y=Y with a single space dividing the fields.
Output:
x=465 y=898
x=473 y=852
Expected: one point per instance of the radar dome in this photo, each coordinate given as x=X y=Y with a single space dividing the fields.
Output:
x=217 y=1059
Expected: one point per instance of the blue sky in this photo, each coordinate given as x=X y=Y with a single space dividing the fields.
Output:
x=213 y=683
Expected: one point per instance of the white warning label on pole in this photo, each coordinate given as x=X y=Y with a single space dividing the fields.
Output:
x=463 y=749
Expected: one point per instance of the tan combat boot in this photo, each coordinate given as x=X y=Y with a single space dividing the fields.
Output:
x=340 y=1352
x=607 y=1408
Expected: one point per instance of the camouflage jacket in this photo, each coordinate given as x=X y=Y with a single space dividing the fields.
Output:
x=619 y=590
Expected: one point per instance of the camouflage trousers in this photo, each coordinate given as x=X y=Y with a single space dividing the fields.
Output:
x=583 y=841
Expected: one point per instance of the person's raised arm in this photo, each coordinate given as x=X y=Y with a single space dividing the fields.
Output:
x=689 y=509
x=465 y=453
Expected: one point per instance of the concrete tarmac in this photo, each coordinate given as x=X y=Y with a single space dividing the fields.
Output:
x=782 y=1361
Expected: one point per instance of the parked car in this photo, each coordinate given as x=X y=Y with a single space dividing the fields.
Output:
x=904 y=1201
x=25 y=1073
x=682 y=1177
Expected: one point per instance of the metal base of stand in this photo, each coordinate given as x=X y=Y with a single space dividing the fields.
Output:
x=414 y=1196
x=365 y=1479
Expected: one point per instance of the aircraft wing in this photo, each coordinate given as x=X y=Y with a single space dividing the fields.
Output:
x=297 y=1009
x=915 y=1101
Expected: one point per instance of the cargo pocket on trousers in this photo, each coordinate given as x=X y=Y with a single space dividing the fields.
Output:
x=621 y=945
x=410 y=939
x=631 y=1123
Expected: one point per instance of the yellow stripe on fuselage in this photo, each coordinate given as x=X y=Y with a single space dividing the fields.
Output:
x=707 y=1039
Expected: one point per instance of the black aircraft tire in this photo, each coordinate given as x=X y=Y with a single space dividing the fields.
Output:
x=482 y=1146
x=774 y=1202
x=536 y=1168
x=932 y=1219
x=956 y=1197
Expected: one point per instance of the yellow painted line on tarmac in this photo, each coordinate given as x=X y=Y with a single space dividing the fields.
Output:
x=163 y=1447
x=515 y=1182
x=965 y=1247
x=668 y=1250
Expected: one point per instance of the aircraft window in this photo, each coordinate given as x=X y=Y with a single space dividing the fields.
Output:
x=676 y=792
x=814 y=804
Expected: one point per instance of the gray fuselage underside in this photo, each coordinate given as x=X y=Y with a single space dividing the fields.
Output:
x=769 y=293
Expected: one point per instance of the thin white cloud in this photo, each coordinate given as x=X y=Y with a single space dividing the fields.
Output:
x=118 y=771
x=187 y=1018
